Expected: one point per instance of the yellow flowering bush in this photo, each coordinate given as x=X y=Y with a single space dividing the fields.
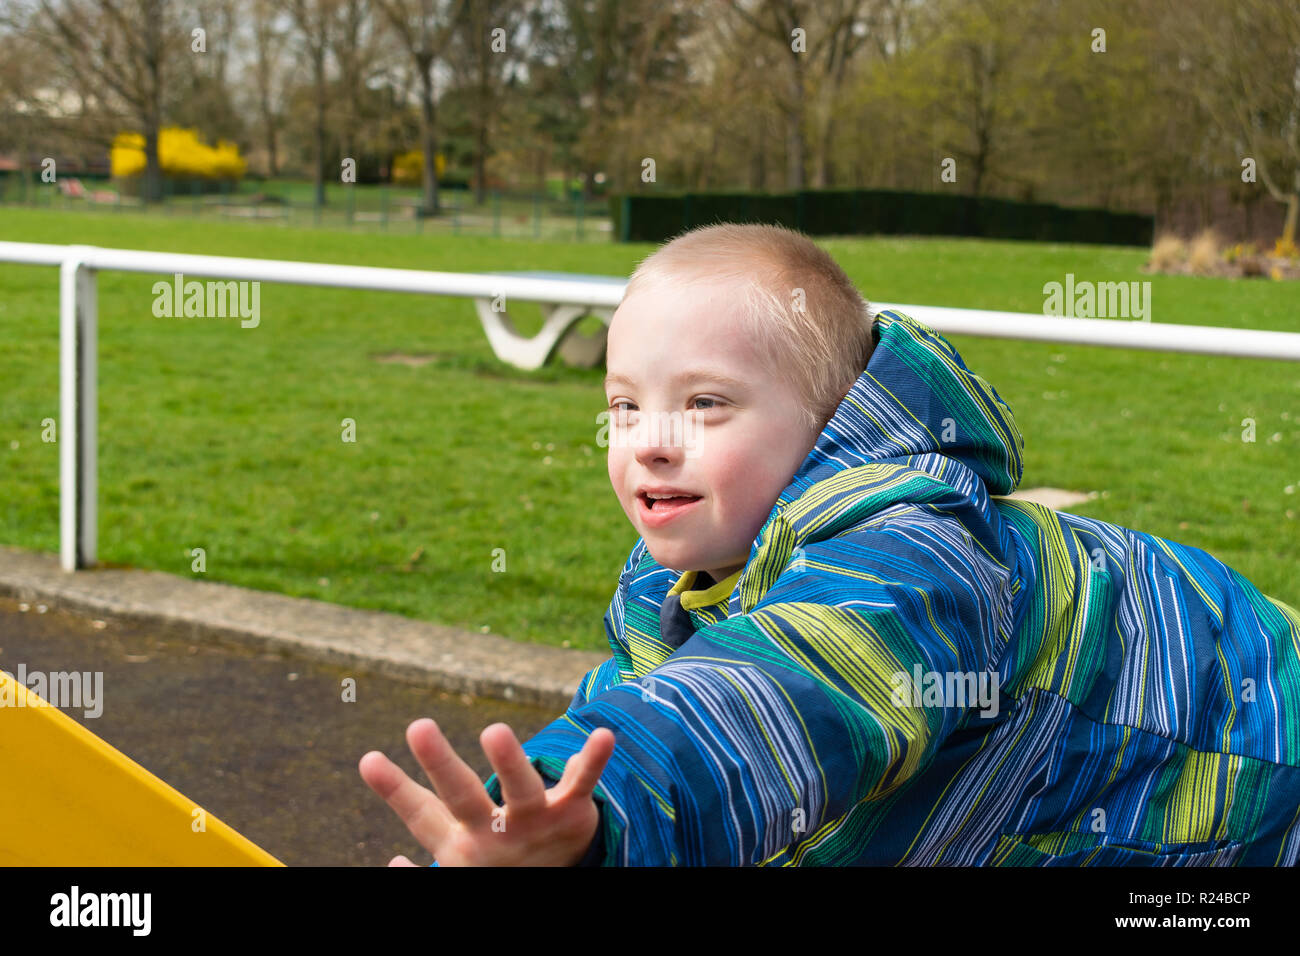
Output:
x=408 y=168
x=181 y=154
x=1239 y=251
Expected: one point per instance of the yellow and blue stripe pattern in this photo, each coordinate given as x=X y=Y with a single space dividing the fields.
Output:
x=1140 y=704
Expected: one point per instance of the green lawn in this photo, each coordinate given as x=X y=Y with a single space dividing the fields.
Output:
x=228 y=439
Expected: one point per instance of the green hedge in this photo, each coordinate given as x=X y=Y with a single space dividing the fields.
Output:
x=850 y=212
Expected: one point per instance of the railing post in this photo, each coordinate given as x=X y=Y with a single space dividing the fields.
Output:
x=78 y=419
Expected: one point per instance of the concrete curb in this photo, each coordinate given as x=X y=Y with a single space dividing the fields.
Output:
x=448 y=658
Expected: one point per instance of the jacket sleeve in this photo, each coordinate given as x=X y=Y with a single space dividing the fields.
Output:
x=771 y=726
x=606 y=675
x=596 y=681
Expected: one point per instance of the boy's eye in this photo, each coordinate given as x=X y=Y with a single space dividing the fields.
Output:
x=623 y=407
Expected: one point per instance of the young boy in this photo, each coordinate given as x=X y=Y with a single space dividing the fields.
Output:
x=836 y=643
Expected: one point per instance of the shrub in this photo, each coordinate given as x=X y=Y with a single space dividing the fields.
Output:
x=1169 y=252
x=181 y=155
x=408 y=168
x=1242 y=250
x=1203 y=254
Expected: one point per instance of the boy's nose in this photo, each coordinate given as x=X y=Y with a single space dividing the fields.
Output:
x=660 y=436
x=647 y=452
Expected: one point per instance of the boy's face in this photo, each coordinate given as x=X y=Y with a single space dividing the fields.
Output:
x=735 y=444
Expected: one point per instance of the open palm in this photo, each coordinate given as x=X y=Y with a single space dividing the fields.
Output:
x=458 y=822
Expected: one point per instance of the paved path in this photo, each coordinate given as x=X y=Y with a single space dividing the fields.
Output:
x=206 y=611
x=259 y=738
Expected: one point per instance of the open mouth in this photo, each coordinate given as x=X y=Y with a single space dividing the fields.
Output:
x=666 y=504
x=658 y=512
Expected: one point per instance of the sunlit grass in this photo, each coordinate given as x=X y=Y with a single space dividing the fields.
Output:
x=229 y=439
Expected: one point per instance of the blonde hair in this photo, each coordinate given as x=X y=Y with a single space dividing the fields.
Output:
x=803 y=314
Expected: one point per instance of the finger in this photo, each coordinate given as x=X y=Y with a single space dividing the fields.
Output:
x=400 y=860
x=455 y=782
x=522 y=788
x=584 y=768
x=421 y=811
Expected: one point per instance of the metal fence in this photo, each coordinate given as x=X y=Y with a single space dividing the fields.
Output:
x=570 y=298
x=366 y=208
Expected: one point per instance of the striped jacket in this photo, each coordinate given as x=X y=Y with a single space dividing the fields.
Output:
x=911 y=669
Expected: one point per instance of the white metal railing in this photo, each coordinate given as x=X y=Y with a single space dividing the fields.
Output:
x=564 y=302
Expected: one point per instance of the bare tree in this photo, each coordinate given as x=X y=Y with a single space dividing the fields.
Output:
x=201 y=93
x=121 y=47
x=601 y=76
x=358 y=46
x=777 y=23
x=818 y=43
x=486 y=57
x=20 y=111
x=269 y=40
x=314 y=19
x=849 y=24
x=425 y=31
x=1244 y=58
x=982 y=62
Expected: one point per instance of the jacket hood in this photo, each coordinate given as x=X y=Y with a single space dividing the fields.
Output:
x=915 y=397
x=918 y=429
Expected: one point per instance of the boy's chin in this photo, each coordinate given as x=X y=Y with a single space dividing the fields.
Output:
x=679 y=559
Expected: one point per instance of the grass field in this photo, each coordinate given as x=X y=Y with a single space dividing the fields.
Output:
x=228 y=439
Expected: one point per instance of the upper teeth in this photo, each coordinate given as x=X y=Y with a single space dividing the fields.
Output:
x=651 y=494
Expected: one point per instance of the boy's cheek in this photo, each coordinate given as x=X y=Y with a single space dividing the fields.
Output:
x=616 y=469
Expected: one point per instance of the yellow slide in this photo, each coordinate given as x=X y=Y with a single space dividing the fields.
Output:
x=67 y=798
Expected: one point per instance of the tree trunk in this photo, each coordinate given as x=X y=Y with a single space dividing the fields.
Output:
x=153 y=169
x=706 y=180
x=480 y=164
x=428 y=137
x=272 y=159
x=822 y=178
x=153 y=100
x=982 y=139
x=319 y=178
x=794 y=134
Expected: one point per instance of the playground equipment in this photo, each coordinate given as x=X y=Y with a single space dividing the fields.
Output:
x=67 y=798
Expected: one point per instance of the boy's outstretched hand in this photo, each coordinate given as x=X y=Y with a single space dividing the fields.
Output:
x=461 y=826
